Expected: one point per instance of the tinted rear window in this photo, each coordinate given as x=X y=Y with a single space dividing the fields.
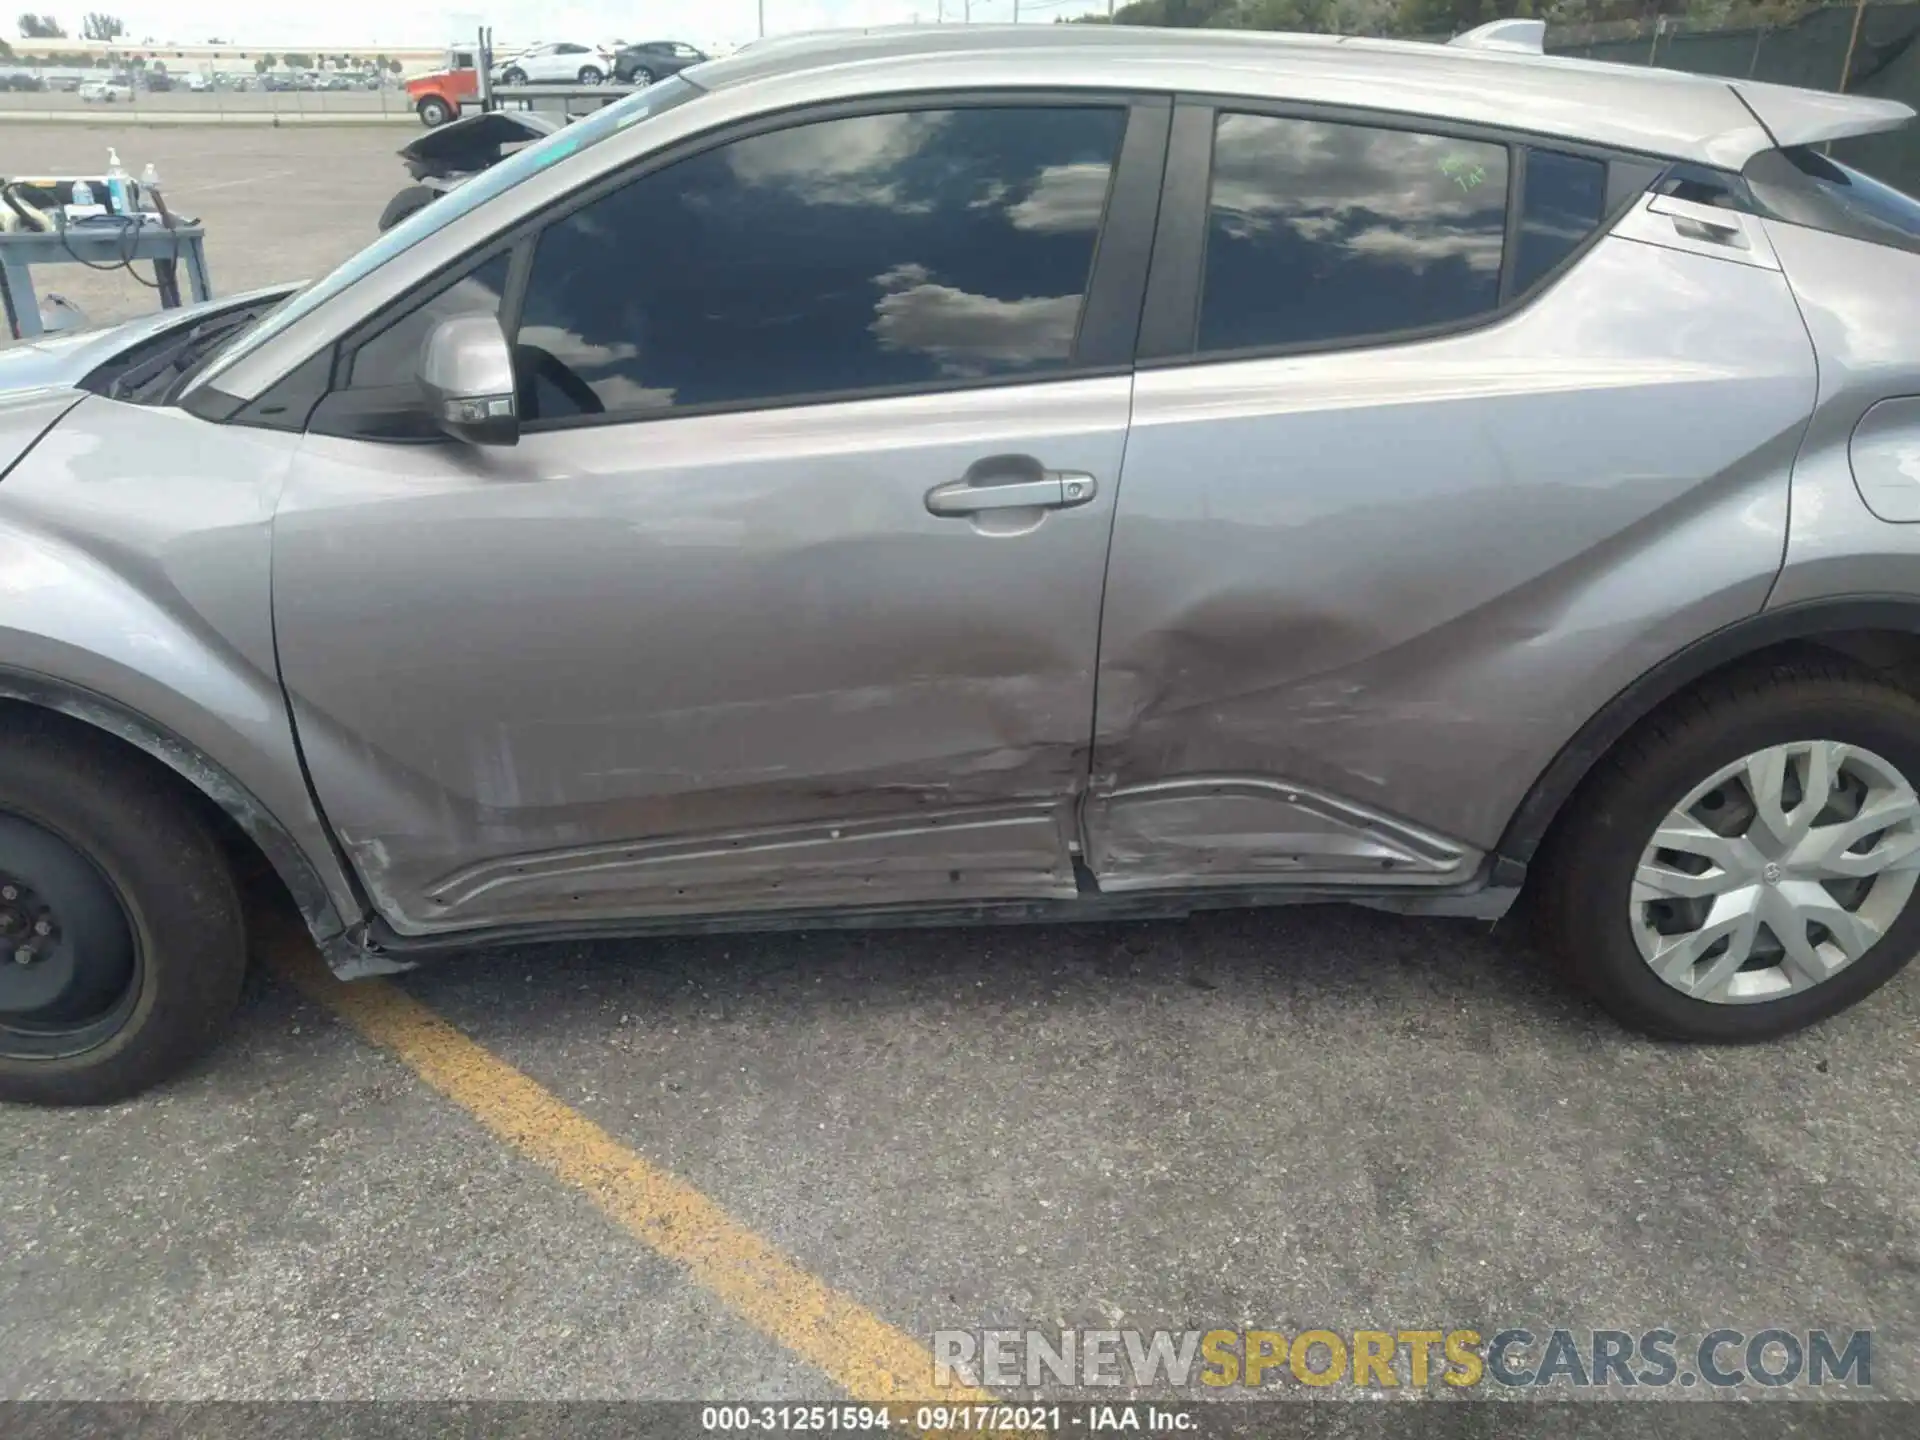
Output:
x=1564 y=199
x=1327 y=233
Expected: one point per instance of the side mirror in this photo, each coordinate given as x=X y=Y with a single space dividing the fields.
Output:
x=466 y=371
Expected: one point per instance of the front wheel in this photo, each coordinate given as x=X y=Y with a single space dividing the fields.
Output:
x=513 y=75
x=641 y=76
x=413 y=198
x=1744 y=864
x=434 y=111
x=122 y=948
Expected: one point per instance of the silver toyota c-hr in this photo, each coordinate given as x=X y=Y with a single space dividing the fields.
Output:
x=986 y=475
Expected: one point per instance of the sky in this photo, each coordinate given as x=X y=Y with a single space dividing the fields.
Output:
x=380 y=22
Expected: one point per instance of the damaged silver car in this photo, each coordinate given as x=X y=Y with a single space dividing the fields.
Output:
x=985 y=475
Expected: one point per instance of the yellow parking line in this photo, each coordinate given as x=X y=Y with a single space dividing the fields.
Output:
x=868 y=1358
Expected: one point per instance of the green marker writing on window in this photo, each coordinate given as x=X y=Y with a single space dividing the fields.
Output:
x=1464 y=171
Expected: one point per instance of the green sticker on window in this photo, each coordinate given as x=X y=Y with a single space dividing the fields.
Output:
x=1465 y=171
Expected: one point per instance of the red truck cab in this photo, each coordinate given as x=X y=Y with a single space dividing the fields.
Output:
x=438 y=96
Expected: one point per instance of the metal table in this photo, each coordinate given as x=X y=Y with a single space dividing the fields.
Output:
x=100 y=246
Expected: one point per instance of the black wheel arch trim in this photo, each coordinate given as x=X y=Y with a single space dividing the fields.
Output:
x=1807 y=620
x=202 y=773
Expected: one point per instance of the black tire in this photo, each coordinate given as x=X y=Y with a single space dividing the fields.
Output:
x=1586 y=868
x=592 y=75
x=409 y=200
x=513 y=75
x=641 y=76
x=149 y=947
x=434 y=111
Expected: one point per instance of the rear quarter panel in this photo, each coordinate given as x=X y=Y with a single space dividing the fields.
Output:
x=1862 y=307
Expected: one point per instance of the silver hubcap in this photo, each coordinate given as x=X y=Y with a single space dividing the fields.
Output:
x=1777 y=873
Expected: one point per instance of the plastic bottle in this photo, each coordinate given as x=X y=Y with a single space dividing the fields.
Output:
x=150 y=188
x=82 y=194
x=119 y=185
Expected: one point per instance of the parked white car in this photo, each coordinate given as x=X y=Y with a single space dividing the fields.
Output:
x=199 y=84
x=559 y=63
x=107 y=91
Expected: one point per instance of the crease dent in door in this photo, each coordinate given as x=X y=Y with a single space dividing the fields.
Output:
x=996 y=850
x=660 y=839
x=594 y=680
x=1396 y=581
x=1238 y=830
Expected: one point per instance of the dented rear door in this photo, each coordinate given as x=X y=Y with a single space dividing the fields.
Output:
x=1413 y=488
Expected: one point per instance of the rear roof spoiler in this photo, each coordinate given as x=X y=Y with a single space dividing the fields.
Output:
x=1529 y=37
x=1790 y=115
x=1812 y=117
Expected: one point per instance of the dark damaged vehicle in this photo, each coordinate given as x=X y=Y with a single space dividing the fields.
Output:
x=986 y=475
x=446 y=157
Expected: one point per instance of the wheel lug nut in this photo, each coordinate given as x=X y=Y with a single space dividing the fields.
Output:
x=43 y=927
x=9 y=892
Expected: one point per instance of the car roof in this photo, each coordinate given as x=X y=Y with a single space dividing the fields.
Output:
x=1663 y=112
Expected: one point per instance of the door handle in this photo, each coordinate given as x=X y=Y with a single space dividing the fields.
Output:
x=1051 y=490
x=1701 y=222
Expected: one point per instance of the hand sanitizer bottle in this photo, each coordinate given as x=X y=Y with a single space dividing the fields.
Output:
x=119 y=185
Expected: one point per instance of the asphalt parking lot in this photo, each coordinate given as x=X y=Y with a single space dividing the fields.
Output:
x=765 y=1168
x=167 y=106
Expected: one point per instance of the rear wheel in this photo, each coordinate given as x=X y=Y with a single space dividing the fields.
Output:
x=434 y=111
x=1745 y=863
x=513 y=75
x=122 y=948
x=591 y=75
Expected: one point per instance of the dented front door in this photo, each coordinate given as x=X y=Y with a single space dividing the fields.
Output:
x=824 y=656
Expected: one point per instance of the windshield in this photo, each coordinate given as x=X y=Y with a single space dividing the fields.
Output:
x=609 y=120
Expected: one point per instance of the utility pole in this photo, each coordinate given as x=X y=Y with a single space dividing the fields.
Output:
x=1853 y=41
x=763 y=19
